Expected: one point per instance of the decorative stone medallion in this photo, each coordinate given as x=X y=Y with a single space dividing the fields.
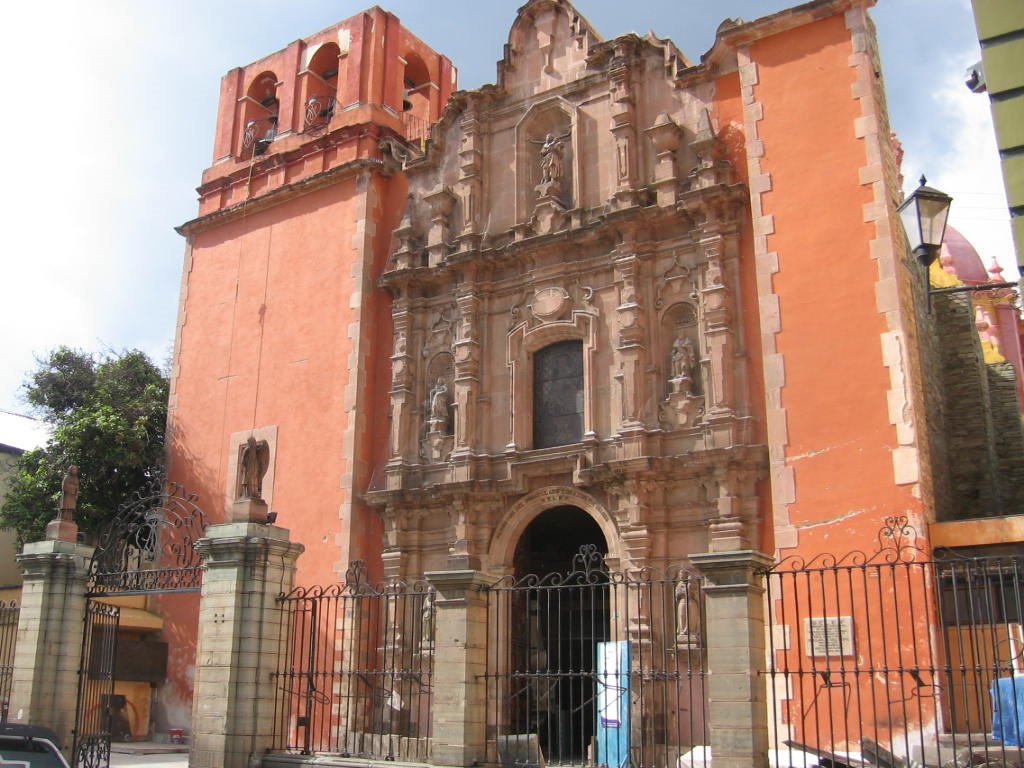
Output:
x=549 y=303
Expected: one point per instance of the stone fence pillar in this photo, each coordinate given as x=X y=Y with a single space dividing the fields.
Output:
x=240 y=641
x=460 y=648
x=50 y=627
x=735 y=628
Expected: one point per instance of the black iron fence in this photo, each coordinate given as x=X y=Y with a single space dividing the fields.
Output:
x=896 y=658
x=596 y=667
x=355 y=677
x=9 y=613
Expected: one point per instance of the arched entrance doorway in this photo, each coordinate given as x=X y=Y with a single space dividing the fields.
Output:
x=559 y=613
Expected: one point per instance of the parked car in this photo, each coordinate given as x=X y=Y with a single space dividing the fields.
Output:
x=29 y=746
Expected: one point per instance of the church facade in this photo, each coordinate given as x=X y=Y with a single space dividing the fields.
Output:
x=570 y=294
x=619 y=299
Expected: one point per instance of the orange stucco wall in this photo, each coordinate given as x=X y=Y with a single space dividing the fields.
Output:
x=840 y=438
x=266 y=341
x=837 y=436
x=281 y=324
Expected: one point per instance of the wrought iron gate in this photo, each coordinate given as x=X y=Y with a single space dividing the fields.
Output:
x=146 y=548
x=91 y=746
x=9 y=613
x=596 y=667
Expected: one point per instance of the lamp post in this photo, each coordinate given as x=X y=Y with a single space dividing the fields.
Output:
x=924 y=215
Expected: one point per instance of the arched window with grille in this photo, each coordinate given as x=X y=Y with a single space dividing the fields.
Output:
x=558 y=394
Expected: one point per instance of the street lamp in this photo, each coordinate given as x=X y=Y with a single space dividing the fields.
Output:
x=924 y=215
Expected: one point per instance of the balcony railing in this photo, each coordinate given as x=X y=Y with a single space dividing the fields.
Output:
x=259 y=134
x=319 y=111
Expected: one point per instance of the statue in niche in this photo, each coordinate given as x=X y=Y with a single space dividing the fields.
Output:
x=253 y=462
x=552 y=158
x=687 y=611
x=438 y=407
x=69 y=494
x=682 y=366
x=427 y=621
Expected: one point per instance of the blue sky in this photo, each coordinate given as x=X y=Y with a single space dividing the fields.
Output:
x=110 y=118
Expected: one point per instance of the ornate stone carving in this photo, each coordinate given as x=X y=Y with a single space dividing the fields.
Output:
x=441 y=204
x=407 y=254
x=550 y=303
x=665 y=136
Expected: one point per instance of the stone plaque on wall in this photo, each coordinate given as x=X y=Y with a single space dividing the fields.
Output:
x=829 y=636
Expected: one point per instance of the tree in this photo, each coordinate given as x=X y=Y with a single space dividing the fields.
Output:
x=108 y=416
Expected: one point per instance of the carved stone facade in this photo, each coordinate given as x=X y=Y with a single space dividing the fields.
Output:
x=588 y=199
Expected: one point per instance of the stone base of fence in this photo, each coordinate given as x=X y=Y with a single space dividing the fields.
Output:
x=248 y=566
x=49 y=646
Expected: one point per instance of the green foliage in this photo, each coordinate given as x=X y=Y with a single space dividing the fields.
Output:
x=108 y=416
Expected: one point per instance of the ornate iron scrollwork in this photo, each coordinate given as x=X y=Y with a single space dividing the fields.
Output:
x=319 y=111
x=149 y=545
x=93 y=752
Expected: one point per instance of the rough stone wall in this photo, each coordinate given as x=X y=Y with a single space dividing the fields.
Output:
x=931 y=397
x=1008 y=436
x=968 y=419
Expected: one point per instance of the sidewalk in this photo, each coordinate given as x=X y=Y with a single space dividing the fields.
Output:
x=147 y=753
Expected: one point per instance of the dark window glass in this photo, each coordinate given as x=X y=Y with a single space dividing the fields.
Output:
x=558 y=394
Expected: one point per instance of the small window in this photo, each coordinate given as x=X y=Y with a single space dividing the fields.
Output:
x=558 y=394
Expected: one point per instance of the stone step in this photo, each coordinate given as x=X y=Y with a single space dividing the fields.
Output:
x=982 y=746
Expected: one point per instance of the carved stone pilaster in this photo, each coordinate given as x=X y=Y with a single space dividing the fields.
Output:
x=715 y=211
x=711 y=169
x=665 y=137
x=402 y=382
x=466 y=351
x=407 y=254
x=735 y=525
x=631 y=340
x=461 y=550
x=470 y=186
x=442 y=203
x=623 y=122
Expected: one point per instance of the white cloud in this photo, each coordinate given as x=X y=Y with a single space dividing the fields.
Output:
x=971 y=173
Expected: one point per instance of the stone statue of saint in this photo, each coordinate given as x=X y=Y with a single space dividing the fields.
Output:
x=427 y=620
x=682 y=364
x=438 y=406
x=552 y=153
x=252 y=466
x=687 y=610
x=69 y=494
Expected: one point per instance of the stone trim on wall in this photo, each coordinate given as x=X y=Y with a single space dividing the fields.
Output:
x=355 y=416
x=766 y=265
x=879 y=176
